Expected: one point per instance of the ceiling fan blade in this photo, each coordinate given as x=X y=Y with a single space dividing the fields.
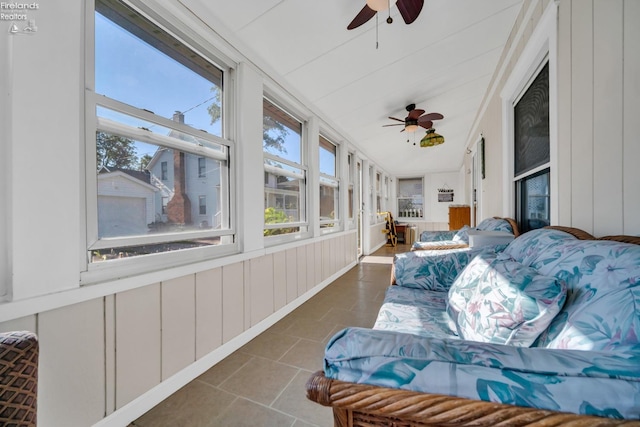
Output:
x=414 y=114
x=394 y=124
x=428 y=124
x=410 y=9
x=365 y=14
x=400 y=120
x=431 y=116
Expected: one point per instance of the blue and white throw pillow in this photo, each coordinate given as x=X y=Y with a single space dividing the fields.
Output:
x=503 y=302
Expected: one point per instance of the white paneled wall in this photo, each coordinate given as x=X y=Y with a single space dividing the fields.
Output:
x=598 y=75
x=600 y=50
x=102 y=354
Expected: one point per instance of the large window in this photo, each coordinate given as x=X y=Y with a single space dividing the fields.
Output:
x=410 y=198
x=532 y=154
x=161 y=163
x=285 y=173
x=329 y=185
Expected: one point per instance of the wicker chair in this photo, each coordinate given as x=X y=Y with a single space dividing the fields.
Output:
x=18 y=379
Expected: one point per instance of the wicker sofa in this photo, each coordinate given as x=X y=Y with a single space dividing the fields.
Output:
x=459 y=239
x=543 y=333
x=18 y=379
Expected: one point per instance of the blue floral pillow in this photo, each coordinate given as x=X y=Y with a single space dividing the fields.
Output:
x=462 y=236
x=503 y=302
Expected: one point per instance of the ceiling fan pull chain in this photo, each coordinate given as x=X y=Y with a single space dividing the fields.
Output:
x=376 y=31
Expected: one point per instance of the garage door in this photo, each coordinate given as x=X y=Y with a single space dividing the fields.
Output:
x=121 y=216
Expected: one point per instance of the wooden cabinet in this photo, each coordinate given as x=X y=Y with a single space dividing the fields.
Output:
x=459 y=216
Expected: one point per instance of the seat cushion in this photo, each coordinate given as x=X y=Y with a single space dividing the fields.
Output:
x=503 y=302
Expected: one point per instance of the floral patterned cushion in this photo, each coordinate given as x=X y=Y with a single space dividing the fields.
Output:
x=504 y=302
x=495 y=224
x=436 y=236
x=462 y=236
x=433 y=270
x=415 y=311
x=603 y=383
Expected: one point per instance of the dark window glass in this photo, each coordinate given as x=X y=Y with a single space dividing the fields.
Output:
x=531 y=125
x=533 y=201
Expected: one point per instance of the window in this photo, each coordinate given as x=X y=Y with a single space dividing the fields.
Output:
x=410 y=198
x=285 y=174
x=202 y=203
x=159 y=115
x=164 y=171
x=202 y=167
x=532 y=154
x=352 y=178
x=329 y=185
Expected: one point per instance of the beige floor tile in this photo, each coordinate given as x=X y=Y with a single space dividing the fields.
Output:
x=195 y=405
x=351 y=318
x=260 y=380
x=243 y=413
x=270 y=345
x=305 y=355
x=294 y=401
x=312 y=329
x=227 y=367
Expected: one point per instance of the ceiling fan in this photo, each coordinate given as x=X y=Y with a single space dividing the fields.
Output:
x=409 y=10
x=415 y=119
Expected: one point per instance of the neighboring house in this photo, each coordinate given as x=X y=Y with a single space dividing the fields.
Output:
x=126 y=202
x=188 y=185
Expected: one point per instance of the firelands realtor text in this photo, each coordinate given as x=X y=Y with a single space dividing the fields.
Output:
x=10 y=11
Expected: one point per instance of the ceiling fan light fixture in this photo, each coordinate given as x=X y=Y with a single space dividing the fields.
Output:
x=411 y=128
x=431 y=139
x=378 y=5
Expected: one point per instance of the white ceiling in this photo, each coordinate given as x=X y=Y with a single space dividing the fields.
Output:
x=442 y=62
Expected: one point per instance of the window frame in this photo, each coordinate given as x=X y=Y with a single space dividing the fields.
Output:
x=541 y=47
x=335 y=224
x=303 y=205
x=106 y=270
x=419 y=215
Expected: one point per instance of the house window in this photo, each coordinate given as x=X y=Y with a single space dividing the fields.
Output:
x=285 y=173
x=145 y=193
x=202 y=203
x=329 y=185
x=410 y=198
x=532 y=154
x=164 y=171
x=202 y=167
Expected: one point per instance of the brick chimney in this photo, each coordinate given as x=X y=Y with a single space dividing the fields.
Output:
x=179 y=207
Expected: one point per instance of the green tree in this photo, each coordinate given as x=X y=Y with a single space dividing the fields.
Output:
x=114 y=151
x=276 y=216
x=273 y=135
x=215 y=109
x=144 y=161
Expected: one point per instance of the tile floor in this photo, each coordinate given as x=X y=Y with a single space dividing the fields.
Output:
x=262 y=383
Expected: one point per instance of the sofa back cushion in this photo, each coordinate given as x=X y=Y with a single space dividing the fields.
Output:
x=537 y=246
x=603 y=295
x=462 y=235
x=501 y=301
x=495 y=224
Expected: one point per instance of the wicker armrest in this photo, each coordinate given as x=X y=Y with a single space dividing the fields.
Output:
x=368 y=405
x=18 y=379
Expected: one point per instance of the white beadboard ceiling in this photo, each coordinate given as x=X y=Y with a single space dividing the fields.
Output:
x=442 y=62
